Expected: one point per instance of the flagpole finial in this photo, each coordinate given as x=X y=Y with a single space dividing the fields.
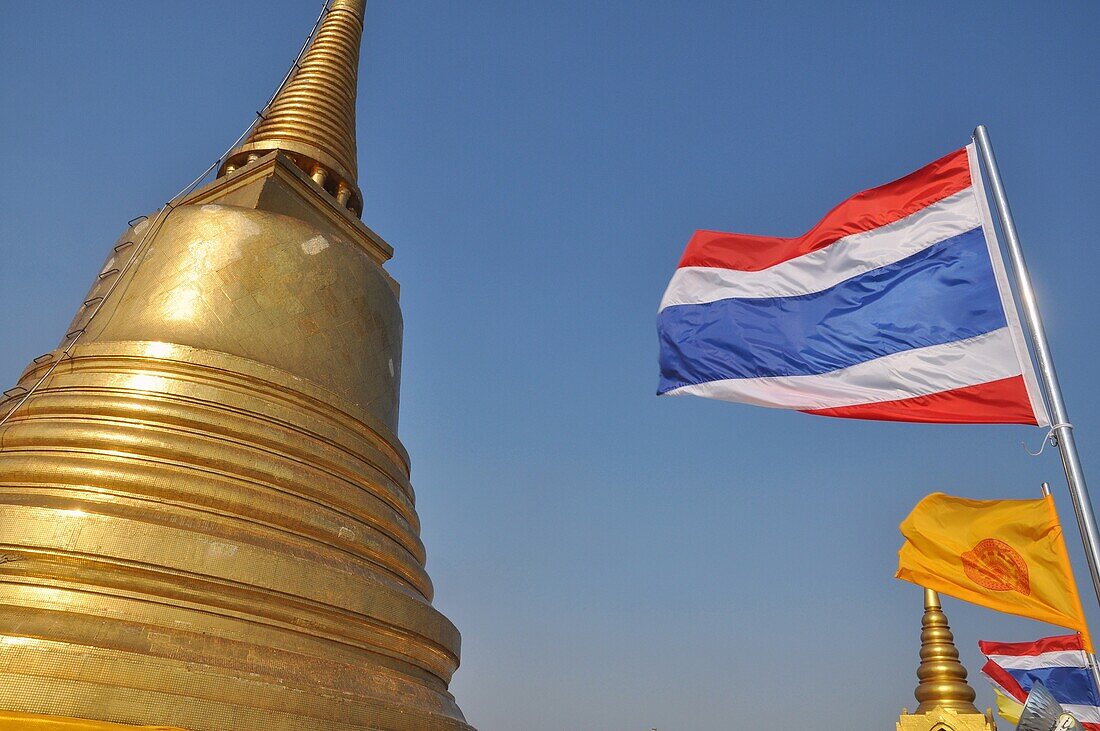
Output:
x=942 y=677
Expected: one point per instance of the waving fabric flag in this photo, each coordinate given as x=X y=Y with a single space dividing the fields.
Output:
x=1007 y=555
x=1059 y=663
x=895 y=306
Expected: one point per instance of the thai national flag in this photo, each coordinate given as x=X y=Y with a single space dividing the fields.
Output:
x=895 y=306
x=1059 y=663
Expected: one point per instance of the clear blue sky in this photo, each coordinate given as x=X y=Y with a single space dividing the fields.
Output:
x=615 y=561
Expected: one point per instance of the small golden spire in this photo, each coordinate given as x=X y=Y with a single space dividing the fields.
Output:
x=942 y=677
x=312 y=118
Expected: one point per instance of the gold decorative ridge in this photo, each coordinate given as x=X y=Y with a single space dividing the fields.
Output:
x=11 y=721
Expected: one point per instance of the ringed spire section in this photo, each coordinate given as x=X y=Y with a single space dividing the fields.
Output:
x=946 y=699
x=312 y=118
x=942 y=677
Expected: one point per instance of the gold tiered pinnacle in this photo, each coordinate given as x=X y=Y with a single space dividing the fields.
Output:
x=942 y=677
x=946 y=699
x=312 y=118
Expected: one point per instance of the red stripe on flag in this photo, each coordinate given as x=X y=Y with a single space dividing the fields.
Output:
x=997 y=402
x=1007 y=683
x=1061 y=643
x=862 y=212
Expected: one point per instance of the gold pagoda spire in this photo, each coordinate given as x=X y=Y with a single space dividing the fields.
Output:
x=312 y=118
x=946 y=699
x=942 y=677
x=208 y=520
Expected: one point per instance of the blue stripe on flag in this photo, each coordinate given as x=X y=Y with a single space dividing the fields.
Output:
x=939 y=295
x=1066 y=684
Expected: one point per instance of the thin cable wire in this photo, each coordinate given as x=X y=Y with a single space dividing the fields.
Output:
x=158 y=221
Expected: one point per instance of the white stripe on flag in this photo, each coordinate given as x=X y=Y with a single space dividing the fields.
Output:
x=937 y=368
x=840 y=261
x=1085 y=714
x=1000 y=688
x=1023 y=356
x=1063 y=659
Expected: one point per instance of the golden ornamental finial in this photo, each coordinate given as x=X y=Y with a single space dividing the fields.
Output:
x=312 y=118
x=942 y=677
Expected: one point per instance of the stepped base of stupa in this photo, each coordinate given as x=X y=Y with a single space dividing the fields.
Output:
x=14 y=721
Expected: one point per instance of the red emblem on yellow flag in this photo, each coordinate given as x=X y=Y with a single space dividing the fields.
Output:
x=997 y=566
x=1008 y=555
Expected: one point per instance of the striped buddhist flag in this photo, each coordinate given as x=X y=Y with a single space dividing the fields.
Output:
x=1059 y=663
x=895 y=306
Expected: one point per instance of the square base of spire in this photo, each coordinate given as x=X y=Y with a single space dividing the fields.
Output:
x=946 y=719
x=275 y=183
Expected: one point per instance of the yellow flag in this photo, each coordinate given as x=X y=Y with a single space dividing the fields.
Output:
x=1007 y=555
x=1009 y=708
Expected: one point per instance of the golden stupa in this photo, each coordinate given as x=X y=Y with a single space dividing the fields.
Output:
x=207 y=520
x=946 y=699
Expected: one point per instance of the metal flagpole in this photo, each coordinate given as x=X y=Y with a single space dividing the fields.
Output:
x=1061 y=429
